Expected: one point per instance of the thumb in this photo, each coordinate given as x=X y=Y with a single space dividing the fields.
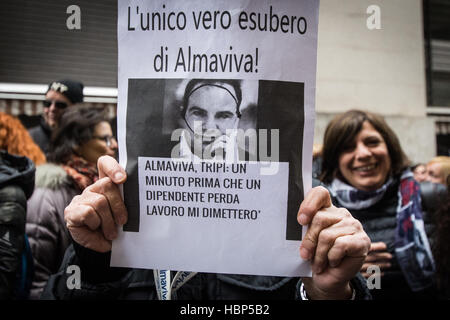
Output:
x=109 y=167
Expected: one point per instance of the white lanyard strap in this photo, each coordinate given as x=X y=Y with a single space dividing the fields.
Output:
x=165 y=287
x=162 y=282
x=181 y=278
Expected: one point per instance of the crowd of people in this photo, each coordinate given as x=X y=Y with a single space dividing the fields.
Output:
x=60 y=205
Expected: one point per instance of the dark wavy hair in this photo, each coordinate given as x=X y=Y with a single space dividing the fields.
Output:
x=342 y=131
x=191 y=87
x=75 y=128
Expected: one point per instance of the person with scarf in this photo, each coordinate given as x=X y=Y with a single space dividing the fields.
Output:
x=367 y=172
x=84 y=134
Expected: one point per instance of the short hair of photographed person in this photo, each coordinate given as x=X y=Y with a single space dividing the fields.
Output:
x=76 y=127
x=195 y=84
x=341 y=133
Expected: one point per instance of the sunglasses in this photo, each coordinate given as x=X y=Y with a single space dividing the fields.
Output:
x=58 y=104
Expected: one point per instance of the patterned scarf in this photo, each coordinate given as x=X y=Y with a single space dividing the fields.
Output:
x=354 y=199
x=412 y=248
x=82 y=172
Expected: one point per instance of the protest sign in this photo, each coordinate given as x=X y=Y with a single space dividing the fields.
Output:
x=215 y=130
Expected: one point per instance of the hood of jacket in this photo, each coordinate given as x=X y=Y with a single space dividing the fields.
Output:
x=52 y=176
x=17 y=170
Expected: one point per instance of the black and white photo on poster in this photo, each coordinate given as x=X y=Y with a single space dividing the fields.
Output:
x=159 y=107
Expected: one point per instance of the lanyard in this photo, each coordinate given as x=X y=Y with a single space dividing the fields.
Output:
x=165 y=287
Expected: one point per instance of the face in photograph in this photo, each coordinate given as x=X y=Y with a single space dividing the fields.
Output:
x=211 y=113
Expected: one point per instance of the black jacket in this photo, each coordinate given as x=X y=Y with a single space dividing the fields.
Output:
x=379 y=222
x=16 y=185
x=99 y=281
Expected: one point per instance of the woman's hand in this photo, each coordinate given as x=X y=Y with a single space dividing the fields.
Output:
x=93 y=217
x=379 y=256
x=335 y=243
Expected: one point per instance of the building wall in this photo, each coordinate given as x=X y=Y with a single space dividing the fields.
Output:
x=381 y=71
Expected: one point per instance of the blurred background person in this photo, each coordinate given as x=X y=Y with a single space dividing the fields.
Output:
x=15 y=139
x=367 y=172
x=18 y=155
x=441 y=248
x=317 y=160
x=16 y=262
x=82 y=136
x=420 y=172
x=60 y=95
x=438 y=169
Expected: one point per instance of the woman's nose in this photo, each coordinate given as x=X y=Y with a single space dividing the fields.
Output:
x=362 y=151
x=114 y=144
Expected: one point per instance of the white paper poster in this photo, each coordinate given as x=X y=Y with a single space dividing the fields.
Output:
x=215 y=130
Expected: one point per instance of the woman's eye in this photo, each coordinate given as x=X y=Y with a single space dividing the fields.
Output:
x=372 y=143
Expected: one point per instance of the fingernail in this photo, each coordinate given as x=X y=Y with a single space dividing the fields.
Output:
x=305 y=253
x=302 y=219
x=118 y=176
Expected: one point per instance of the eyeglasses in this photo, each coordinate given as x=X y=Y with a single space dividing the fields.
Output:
x=108 y=139
x=58 y=104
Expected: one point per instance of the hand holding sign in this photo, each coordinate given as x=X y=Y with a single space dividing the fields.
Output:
x=335 y=243
x=92 y=218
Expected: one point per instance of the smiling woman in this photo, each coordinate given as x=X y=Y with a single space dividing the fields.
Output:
x=367 y=172
x=354 y=132
x=366 y=164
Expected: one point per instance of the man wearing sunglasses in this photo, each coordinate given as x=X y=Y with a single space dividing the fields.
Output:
x=60 y=95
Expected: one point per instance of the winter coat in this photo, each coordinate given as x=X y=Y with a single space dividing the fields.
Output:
x=16 y=185
x=46 y=229
x=379 y=222
x=99 y=281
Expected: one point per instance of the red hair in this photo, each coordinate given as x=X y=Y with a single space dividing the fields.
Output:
x=15 y=139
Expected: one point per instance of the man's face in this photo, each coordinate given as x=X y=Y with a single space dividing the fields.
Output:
x=213 y=109
x=52 y=113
